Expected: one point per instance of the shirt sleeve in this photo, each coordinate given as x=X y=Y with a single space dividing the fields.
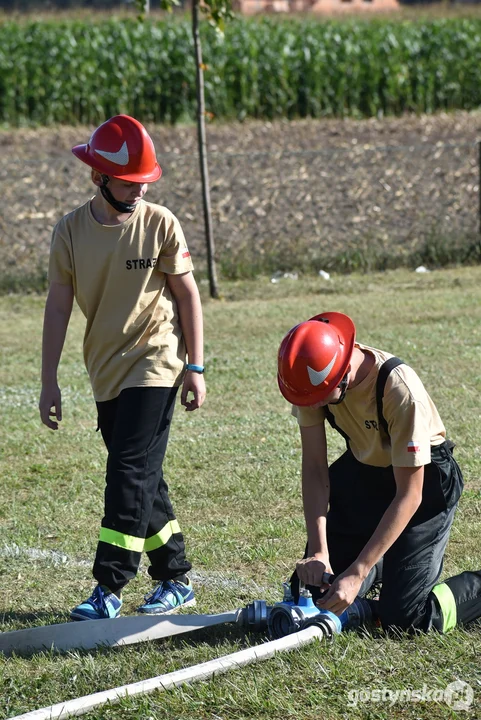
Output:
x=408 y=416
x=60 y=260
x=308 y=416
x=174 y=256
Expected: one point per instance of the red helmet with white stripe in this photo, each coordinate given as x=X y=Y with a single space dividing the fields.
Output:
x=122 y=148
x=314 y=357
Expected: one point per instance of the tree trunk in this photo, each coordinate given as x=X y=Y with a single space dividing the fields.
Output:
x=204 y=171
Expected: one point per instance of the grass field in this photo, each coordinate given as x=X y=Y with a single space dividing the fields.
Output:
x=233 y=470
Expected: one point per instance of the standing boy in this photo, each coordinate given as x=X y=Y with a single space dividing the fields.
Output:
x=127 y=264
x=383 y=511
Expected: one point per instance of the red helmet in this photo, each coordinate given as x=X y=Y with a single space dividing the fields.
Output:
x=314 y=357
x=122 y=148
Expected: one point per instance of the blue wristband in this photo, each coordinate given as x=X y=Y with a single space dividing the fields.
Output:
x=195 y=368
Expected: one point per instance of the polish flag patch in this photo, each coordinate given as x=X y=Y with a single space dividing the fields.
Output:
x=186 y=254
x=412 y=447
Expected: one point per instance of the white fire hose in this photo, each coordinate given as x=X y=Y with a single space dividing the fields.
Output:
x=293 y=626
x=82 y=705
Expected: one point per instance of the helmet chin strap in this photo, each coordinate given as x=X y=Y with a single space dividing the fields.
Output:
x=120 y=206
x=343 y=387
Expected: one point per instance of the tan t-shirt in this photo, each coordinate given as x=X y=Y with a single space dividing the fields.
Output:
x=118 y=273
x=413 y=421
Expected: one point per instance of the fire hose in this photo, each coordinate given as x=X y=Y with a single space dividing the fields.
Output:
x=291 y=625
x=90 y=634
x=202 y=671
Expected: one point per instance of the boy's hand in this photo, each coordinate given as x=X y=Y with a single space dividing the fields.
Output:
x=50 y=398
x=195 y=383
x=342 y=593
x=310 y=571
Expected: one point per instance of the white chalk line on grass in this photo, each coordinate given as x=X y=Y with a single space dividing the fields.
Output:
x=49 y=557
x=55 y=558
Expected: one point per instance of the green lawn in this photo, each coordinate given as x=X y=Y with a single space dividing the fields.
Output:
x=233 y=470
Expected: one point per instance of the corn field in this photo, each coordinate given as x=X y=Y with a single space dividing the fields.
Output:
x=74 y=72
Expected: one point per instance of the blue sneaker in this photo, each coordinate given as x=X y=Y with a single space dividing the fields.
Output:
x=167 y=597
x=101 y=605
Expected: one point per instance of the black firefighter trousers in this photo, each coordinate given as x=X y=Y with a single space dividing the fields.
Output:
x=410 y=597
x=138 y=512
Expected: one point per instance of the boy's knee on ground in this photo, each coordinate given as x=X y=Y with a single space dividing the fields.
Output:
x=401 y=615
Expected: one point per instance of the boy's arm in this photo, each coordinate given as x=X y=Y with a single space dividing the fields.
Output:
x=315 y=496
x=186 y=294
x=409 y=490
x=58 y=309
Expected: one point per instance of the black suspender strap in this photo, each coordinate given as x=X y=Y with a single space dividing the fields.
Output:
x=330 y=419
x=384 y=372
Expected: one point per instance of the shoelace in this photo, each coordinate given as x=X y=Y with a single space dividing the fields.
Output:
x=162 y=588
x=157 y=591
x=97 y=599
